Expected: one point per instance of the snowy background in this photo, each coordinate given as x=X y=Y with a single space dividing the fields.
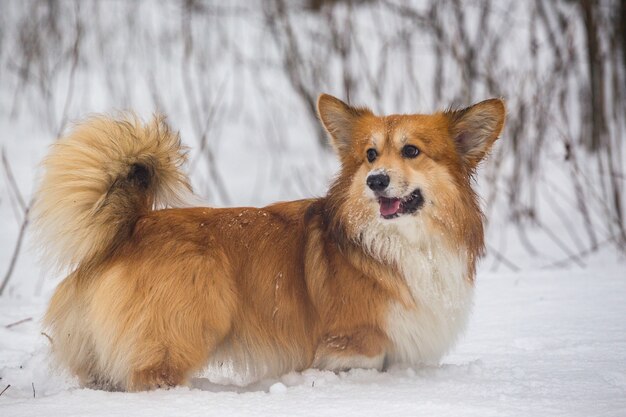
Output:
x=239 y=80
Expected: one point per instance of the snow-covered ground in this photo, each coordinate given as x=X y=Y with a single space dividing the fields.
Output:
x=543 y=340
x=540 y=343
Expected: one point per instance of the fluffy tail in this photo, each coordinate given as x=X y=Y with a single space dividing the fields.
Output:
x=99 y=179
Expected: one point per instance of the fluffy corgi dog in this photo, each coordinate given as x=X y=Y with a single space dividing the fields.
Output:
x=379 y=271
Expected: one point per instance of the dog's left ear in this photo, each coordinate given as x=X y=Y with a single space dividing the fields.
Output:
x=475 y=129
x=338 y=119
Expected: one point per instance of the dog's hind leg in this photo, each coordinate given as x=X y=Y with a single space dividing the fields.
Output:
x=160 y=370
x=158 y=322
x=169 y=353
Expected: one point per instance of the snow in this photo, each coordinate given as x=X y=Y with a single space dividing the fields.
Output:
x=547 y=336
x=539 y=343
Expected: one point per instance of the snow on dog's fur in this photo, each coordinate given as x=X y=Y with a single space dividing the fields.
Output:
x=378 y=271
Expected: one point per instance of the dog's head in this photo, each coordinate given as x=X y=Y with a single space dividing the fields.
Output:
x=399 y=168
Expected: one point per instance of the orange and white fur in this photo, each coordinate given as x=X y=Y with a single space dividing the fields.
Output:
x=379 y=271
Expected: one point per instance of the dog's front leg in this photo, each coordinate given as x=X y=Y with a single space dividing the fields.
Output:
x=358 y=348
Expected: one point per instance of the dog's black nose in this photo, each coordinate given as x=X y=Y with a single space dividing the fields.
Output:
x=378 y=182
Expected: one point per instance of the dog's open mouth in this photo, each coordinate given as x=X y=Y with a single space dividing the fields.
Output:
x=394 y=207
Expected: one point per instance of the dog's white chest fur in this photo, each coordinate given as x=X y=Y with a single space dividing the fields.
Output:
x=437 y=278
x=443 y=299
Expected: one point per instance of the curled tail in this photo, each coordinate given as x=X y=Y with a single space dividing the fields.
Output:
x=99 y=179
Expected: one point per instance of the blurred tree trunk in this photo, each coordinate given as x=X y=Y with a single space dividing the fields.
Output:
x=596 y=109
x=621 y=29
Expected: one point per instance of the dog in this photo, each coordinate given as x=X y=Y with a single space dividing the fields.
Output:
x=378 y=272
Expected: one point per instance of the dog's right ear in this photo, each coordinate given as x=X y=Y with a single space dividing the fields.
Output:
x=338 y=119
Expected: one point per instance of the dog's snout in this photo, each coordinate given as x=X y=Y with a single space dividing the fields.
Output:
x=378 y=182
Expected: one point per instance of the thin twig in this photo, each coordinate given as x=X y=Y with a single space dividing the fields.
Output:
x=194 y=108
x=48 y=337
x=572 y=256
x=33 y=384
x=576 y=256
x=11 y=179
x=8 y=326
x=6 y=388
x=16 y=251
x=72 y=75
x=499 y=256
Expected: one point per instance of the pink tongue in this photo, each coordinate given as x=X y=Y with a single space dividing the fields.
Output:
x=389 y=206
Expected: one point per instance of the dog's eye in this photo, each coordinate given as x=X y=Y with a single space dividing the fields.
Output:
x=410 y=151
x=371 y=154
